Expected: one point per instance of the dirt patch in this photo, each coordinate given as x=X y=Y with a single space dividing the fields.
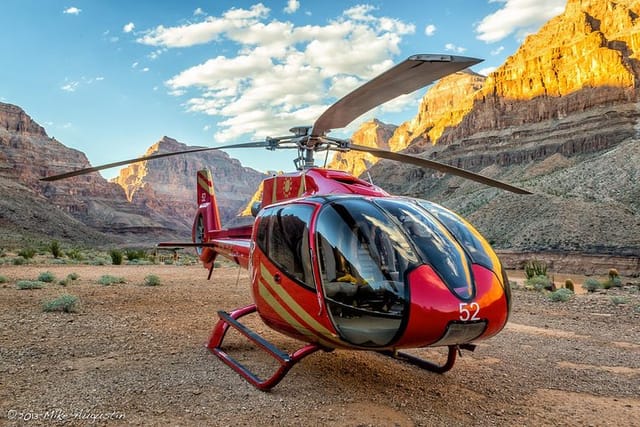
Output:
x=135 y=355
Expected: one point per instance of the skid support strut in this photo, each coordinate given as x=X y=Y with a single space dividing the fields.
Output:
x=285 y=360
x=430 y=366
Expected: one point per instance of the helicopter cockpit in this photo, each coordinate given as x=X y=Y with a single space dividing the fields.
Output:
x=366 y=247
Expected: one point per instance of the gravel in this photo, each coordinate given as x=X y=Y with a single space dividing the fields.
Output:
x=135 y=355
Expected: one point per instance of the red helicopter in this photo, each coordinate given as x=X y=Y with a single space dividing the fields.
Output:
x=338 y=263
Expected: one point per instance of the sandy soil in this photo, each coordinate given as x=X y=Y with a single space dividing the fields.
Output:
x=135 y=355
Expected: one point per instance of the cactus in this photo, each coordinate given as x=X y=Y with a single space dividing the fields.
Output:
x=535 y=268
x=568 y=284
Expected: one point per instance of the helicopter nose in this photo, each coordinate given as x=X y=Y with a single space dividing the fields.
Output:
x=439 y=316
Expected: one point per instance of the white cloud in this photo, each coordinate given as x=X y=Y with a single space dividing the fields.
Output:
x=73 y=85
x=292 y=6
x=487 y=71
x=206 y=31
x=72 y=11
x=519 y=17
x=145 y=69
x=128 y=27
x=497 y=51
x=278 y=74
x=198 y=12
x=453 y=48
x=70 y=87
x=429 y=30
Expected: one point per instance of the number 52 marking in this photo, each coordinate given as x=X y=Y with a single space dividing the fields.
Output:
x=469 y=311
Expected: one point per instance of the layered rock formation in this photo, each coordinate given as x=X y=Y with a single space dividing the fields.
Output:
x=370 y=134
x=566 y=99
x=156 y=203
x=167 y=186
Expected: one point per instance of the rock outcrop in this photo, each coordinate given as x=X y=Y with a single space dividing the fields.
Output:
x=371 y=134
x=562 y=109
x=156 y=202
x=167 y=186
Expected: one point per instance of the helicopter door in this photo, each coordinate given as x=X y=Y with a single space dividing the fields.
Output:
x=283 y=236
x=363 y=258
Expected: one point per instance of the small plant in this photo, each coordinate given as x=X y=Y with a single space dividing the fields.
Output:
x=54 y=247
x=612 y=282
x=568 y=284
x=116 y=256
x=75 y=254
x=3 y=279
x=135 y=254
x=29 y=284
x=63 y=282
x=110 y=280
x=19 y=261
x=591 y=285
x=562 y=294
x=46 y=277
x=72 y=276
x=540 y=283
x=616 y=300
x=152 y=280
x=535 y=268
x=65 y=303
x=27 y=253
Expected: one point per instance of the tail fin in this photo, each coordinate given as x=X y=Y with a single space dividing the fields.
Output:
x=206 y=194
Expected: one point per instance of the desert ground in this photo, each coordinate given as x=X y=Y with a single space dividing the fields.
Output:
x=135 y=355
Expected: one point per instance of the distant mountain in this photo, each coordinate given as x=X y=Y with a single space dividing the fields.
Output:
x=155 y=202
x=560 y=117
x=167 y=186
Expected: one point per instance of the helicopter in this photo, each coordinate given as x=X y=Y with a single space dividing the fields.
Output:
x=336 y=262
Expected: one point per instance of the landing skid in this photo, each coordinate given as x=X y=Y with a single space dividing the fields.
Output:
x=287 y=361
x=430 y=366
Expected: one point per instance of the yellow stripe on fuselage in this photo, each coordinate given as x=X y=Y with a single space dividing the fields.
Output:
x=291 y=306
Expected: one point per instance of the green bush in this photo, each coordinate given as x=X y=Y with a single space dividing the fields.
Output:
x=152 y=280
x=29 y=284
x=19 y=261
x=540 y=283
x=72 y=276
x=116 y=256
x=612 y=282
x=3 y=279
x=134 y=254
x=46 y=277
x=75 y=254
x=65 y=303
x=562 y=294
x=535 y=268
x=27 y=253
x=110 y=280
x=54 y=247
x=591 y=285
x=619 y=300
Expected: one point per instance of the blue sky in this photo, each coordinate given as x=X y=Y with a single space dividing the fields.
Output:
x=111 y=77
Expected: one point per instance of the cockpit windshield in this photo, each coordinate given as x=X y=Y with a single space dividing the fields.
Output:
x=363 y=258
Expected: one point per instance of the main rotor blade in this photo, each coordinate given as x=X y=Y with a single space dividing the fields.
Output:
x=442 y=167
x=261 y=144
x=415 y=72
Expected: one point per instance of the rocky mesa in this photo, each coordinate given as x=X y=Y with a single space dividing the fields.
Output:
x=560 y=117
x=150 y=201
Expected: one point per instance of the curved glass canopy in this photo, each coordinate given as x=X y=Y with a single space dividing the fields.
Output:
x=365 y=248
